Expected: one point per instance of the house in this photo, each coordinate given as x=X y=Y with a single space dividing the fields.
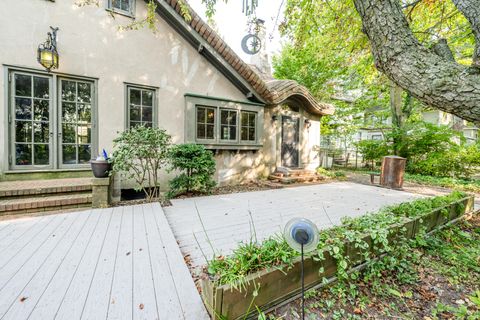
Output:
x=183 y=78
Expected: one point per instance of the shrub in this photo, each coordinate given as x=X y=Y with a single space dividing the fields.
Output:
x=139 y=155
x=373 y=150
x=196 y=166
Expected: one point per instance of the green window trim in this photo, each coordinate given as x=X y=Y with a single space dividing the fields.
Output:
x=205 y=123
x=217 y=125
x=141 y=106
x=228 y=125
x=248 y=125
x=123 y=7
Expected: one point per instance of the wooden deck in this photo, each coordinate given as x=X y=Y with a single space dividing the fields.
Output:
x=232 y=218
x=116 y=263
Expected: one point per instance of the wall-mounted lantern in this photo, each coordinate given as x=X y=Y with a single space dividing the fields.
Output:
x=47 y=54
x=308 y=123
x=275 y=117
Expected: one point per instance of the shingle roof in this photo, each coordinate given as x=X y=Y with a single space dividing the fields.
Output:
x=272 y=91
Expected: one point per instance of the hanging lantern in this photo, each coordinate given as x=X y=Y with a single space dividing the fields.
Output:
x=47 y=54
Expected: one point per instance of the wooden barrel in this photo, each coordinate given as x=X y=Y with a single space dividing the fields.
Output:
x=393 y=169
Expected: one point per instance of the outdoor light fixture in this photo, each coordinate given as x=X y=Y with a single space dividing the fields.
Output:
x=301 y=235
x=274 y=117
x=308 y=123
x=47 y=54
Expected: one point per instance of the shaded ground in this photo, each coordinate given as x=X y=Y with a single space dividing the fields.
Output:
x=440 y=279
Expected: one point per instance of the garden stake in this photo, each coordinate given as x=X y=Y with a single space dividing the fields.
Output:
x=301 y=235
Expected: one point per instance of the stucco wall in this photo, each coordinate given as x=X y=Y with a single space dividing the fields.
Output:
x=91 y=45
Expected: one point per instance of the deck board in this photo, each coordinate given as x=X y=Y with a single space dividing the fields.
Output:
x=74 y=298
x=15 y=283
x=67 y=249
x=53 y=293
x=121 y=294
x=115 y=263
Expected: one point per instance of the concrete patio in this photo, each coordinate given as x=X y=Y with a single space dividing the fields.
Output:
x=229 y=219
x=116 y=263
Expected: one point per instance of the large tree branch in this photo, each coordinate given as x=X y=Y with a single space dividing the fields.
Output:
x=471 y=10
x=434 y=80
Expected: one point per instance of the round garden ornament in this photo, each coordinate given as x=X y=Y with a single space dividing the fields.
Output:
x=301 y=231
x=302 y=235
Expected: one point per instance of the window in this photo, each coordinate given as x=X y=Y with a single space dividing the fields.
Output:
x=76 y=121
x=205 y=123
x=141 y=107
x=122 y=6
x=377 y=137
x=223 y=124
x=228 y=125
x=32 y=101
x=248 y=124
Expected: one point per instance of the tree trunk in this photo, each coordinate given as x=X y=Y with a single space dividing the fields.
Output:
x=432 y=79
x=471 y=10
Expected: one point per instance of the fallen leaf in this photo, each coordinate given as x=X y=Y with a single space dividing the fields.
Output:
x=141 y=306
x=357 y=311
x=23 y=299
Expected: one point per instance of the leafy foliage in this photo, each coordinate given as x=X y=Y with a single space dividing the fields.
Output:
x=373 y=150
x=196 y=166
x=140 y=153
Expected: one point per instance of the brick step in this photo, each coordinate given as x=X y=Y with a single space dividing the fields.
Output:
x=35 y=188
x=48 y=203
x=295 y=179
x=309 y=174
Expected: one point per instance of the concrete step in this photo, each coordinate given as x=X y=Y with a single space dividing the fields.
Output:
x=42 y=188
x=46 y=203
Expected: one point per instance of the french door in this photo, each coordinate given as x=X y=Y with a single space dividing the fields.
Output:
x=75 y=122
x=31 y=121
x=50 y=127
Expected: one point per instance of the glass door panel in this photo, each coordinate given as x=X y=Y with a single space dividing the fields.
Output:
x=31 y=123
x=76 y=98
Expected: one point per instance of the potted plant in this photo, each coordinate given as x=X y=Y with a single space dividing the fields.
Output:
x=102 y=165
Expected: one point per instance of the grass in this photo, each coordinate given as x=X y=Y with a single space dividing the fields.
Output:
x=275 y=252
x=469 y=185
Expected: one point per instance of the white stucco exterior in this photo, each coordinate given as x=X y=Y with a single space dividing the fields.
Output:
x=91 y=45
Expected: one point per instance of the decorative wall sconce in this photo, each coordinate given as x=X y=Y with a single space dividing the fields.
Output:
x=308 y=123
x=47 y=54
x=275 y=117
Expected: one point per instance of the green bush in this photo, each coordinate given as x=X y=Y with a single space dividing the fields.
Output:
x=140 y=153
x=196 y=166
x=373 y=150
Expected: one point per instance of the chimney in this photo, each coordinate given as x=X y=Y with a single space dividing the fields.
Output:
x=261 y=60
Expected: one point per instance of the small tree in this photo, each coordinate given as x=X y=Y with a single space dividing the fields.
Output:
x=196 y=166
x=373 y=150
x=139 y=154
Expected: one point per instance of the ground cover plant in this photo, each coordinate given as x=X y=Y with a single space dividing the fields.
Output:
x=435 y=276
x=274 y=252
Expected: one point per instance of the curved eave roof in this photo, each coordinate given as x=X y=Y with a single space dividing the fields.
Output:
x=271 y=91
x=289 y=90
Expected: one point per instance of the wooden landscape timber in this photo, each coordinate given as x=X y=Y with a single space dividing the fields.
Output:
x=274 y=287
